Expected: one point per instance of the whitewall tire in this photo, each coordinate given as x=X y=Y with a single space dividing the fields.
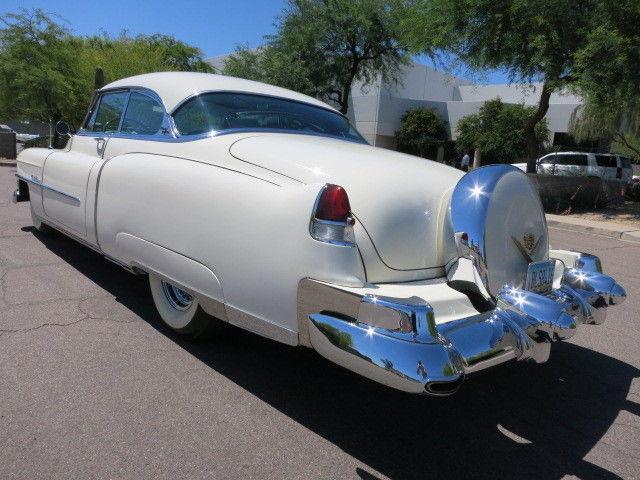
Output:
x=180 y=310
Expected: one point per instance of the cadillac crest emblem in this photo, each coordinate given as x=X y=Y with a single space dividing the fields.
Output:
x=529 y=242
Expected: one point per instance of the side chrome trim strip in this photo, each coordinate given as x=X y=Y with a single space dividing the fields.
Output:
x=37 y=182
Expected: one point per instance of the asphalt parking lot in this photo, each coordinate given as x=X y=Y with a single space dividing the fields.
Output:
x=93 y=386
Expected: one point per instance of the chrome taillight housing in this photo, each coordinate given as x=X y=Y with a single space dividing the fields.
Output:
x=331 y=220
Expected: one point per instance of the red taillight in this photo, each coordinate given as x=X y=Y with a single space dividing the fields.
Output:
x=333 y=204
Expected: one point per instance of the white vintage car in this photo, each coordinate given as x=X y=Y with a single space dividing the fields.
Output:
x=257 y=206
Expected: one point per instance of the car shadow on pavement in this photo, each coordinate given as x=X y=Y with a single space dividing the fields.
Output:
x=517 y=421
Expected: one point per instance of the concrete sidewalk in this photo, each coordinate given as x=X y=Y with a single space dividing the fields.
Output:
x=630 y=233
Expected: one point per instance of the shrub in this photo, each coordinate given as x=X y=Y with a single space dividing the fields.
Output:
x=498 y=131
x=421 y=130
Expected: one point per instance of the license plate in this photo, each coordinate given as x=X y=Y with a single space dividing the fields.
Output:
x=540 y=276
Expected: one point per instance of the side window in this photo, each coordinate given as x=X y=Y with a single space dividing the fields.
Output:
x=192 y=118
x=579 y=160
x=606 y=161
x=625 y=162
x=143 y=115
x=108 y=113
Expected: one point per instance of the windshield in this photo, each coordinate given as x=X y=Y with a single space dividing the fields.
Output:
x=215 y=112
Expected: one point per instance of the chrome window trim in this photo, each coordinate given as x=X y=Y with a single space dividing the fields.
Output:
x=124 y=111
x=244 y=92
x=216 y=133
x=35 y=181
x=95 y=101
x=230 y=131
x=83 y=132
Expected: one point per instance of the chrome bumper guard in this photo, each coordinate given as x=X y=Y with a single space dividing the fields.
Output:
x=396 y=341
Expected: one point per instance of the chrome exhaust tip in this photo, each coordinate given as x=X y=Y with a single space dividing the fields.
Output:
x=444 y=388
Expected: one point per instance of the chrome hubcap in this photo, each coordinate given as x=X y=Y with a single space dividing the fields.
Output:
x=178 y=299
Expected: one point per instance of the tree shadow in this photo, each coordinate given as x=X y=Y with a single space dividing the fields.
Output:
x=521 y=420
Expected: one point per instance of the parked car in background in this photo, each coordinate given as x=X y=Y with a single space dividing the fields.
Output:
x=20 y=137
x=264 y=208
x=603 y=165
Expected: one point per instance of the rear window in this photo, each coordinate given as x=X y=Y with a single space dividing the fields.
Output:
x=572 y=159
x=219 y=111
x=606 y=161
x=626 y=163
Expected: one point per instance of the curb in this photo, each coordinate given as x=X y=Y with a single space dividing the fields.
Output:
x=626 y=235
x=7 y=163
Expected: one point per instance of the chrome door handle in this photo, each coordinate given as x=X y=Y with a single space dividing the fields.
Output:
x=100 y=144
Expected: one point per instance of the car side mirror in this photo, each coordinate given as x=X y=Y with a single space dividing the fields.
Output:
x=62 y=129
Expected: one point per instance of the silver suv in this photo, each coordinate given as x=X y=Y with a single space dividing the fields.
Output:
x=604 y=165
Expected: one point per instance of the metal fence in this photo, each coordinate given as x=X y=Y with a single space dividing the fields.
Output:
x=8 y=145
x=561 y=194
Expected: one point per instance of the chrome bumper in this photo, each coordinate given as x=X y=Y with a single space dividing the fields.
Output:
x=396 y=341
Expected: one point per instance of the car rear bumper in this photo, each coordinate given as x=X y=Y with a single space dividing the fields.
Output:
x=398 y=342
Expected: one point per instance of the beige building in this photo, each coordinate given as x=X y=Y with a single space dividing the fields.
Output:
x=376 y=109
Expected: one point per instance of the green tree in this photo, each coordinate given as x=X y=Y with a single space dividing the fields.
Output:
x=47 y=74
x=609 y=79
x=608 y=66
x=533 y=40
x=276 y=66
x=608 y=123
x=38 y=68
x=497 y=130
x=176 y=54
x=322 y=47
x=420 y=130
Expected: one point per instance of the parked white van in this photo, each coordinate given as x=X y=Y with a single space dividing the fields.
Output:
x=604 y=165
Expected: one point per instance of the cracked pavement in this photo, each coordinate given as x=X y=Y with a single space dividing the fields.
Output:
x=93 y=386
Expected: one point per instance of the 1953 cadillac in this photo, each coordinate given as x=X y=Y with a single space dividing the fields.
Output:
x=264 y=208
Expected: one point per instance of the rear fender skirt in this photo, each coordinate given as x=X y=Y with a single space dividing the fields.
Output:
x=175 y=268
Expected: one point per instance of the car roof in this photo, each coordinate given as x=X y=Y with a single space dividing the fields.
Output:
x=175 y=87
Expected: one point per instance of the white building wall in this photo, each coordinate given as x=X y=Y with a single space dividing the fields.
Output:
x=376 y=109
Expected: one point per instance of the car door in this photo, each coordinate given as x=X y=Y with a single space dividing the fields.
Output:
x=66 y=173
x=606 y=166
x=569 y=164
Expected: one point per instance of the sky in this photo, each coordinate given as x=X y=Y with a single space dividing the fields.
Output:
x=216 y=27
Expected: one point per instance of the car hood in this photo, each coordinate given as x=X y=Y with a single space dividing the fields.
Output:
x=399 y=199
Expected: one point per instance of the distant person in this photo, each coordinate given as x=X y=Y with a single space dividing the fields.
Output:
x=464 y=164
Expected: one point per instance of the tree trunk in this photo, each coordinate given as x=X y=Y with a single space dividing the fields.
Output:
x=530 y=128
x=344 y=98
x=346 y=86
x=477 y=158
